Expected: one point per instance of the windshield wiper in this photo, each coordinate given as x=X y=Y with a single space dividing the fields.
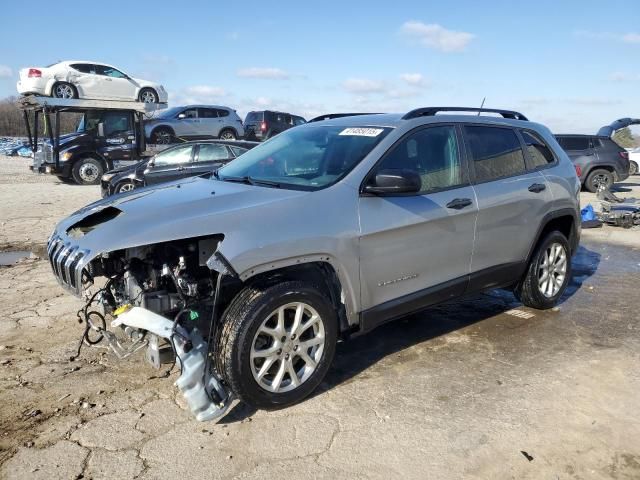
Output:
x=249 y=180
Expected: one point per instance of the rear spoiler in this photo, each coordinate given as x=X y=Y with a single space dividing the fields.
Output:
x=609 y=130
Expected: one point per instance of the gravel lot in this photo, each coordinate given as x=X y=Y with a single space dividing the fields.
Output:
x=483 y=388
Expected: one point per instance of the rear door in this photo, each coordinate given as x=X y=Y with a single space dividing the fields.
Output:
x=208 y=122
x=170 y=164
x=209 y=157
x=512 y=200
x=86 y=79
x=419 y=246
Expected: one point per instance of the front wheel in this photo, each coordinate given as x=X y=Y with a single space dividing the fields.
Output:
x=277 y=343
x=162 y=136
x=548 y=273
x=123 y=187
x=87 y=171
x=148 y=95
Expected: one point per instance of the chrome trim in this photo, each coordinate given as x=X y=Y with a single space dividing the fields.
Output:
x=67 y=262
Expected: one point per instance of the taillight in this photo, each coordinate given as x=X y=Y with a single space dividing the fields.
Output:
x=578 y=170
x=263 y=127
x=34 y=73
x=624 y=155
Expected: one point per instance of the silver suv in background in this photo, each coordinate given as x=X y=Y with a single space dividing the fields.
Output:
x=194 y=122
x=325 y=231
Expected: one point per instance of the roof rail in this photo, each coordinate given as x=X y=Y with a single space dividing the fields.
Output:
x=330 y=116
x=431 y=111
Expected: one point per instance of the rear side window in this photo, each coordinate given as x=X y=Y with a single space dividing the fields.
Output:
x=574 y=143
x=173 y=156
x=539 y=153
x=223 y=113
x=207 y=113
x=237 y=151
x=210 y=152
x=84 y=67
x=496 y=152
x=433 y=153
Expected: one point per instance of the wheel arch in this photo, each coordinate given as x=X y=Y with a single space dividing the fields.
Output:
x=565 y=221
x=162 y=125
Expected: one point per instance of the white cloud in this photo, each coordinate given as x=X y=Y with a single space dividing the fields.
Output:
x=436 y=36
x=5 y=71
x=263 y=72
x=414 y=79
x=205 y=91
x=363 y=86
x=631 y=37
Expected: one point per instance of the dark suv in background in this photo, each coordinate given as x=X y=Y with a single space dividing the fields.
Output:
x=598 y=159
x=266 y=123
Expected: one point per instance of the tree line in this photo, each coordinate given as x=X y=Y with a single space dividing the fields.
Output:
x=12 y=120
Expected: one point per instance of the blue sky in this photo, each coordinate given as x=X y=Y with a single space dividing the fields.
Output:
x=573 y=65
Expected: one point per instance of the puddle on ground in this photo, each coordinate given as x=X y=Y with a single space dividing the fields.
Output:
x=8 y=259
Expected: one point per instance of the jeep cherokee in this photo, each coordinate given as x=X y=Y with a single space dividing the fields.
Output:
x=325 y=231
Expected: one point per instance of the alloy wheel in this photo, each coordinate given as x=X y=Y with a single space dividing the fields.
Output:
x=227 y=136
x=148 y=97
x=287 y=347
x=126 y=187
x=552 y=270
x=64 y=91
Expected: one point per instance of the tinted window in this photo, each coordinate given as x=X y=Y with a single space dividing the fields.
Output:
x=595 y=142
x=496 y=152
x=574 y=143
x=189 y=113
x=253 y=117
x=109 y=72
x=539 y=153
x=210 y=152
x=237 y=151
x=223 y=113
x=173 y=156
x=299 y=120
x=207 y=113
x=288 y=119
x=433 y=153
x=116 y=122
x=84 y=67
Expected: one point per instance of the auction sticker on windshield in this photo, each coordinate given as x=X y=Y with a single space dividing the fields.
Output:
x=362 y=132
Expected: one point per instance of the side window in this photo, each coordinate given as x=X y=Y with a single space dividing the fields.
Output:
x=116 y=122
x=298 y=120
x=84 y=67
x=595 y=142
x=189 y=113
x=109 y=72
x=539 y=153
x=288 y=120
x=575 y=143
x=237 y=151
x=173 y=156
x=223 y=113
x=496 y=152
x=207 y=113
x=433 y=153
x=210 y=152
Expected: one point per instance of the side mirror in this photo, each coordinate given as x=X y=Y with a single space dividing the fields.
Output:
x=182 y=116
x=394 y=181
x=101 y=129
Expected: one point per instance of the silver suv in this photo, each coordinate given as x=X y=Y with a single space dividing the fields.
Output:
x=325 y=231
x=194 y=122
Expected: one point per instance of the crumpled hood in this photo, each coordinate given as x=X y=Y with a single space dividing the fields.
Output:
x=183 y=209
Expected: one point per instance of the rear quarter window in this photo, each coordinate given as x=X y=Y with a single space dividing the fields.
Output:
x=539 y=152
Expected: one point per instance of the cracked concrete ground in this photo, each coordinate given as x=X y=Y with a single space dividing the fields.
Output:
x=465 y=390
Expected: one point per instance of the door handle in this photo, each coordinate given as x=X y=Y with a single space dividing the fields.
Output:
x=459 y=203
x=537 y=187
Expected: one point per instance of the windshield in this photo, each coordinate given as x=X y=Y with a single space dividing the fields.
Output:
x=306 y=158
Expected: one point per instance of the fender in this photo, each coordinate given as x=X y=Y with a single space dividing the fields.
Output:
x=563 y=212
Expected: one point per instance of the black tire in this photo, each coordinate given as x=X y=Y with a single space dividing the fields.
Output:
x=59 y=88
x=241 y=321
x=528 y=291
x=597 y=177
x=148 y=95
x=87 y=171
x=162 y=136
x=125 y=186
x=228 y=134
x=633 y=168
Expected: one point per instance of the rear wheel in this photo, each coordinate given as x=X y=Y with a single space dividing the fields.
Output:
x=162 y=136
x=599 y=178
x=148 y=95
x=125 y=187
x=548 y=273
x=228 y=135
x=277 y=343
x=64 y=90
x=633 y=168
x=87 y=171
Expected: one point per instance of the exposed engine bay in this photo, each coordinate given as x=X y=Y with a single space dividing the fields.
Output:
x=163 y=297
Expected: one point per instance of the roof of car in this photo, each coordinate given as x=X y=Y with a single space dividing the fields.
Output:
x=204 y=106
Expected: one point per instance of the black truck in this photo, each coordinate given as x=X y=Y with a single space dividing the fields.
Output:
x=108 y=132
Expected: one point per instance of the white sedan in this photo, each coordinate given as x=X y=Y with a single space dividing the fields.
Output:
x=91 y=80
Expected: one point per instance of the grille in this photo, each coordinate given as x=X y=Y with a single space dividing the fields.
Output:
x=67 y=263
x=47 y=151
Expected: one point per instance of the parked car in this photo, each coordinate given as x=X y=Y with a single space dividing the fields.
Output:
x=265 y=124
x=599 y=161
x=634 y=161
x=192 y=122
x=327 y=230
x=89 y=80
x=179 y=161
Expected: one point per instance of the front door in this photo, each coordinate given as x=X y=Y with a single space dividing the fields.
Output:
x=119 y=141
x=186 y=124
x=419 y=247
x=171 y=164
x=117 y=84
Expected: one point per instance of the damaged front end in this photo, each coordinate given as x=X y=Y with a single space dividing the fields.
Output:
x=163 y=297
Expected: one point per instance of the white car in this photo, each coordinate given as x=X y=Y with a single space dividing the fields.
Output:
x=91 y=80
x=634 y=161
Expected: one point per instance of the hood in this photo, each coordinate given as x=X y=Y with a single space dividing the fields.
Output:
x=69 y=137
x=190 y=208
